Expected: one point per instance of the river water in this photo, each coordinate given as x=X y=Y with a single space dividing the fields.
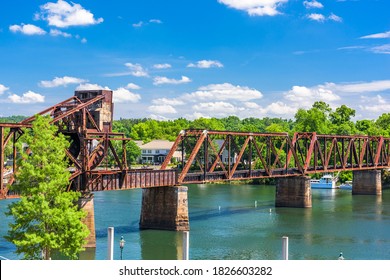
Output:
x=240 y=222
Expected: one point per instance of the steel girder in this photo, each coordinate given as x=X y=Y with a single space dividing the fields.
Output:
x=226 y=155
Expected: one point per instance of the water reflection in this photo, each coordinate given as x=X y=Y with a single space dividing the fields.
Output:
x=161 y=245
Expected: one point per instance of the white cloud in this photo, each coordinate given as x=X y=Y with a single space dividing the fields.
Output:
x=122 y=95
x=157 y=117
x=280 y=108
x=312 y=4
x=219 y=108
x=136 y=70
x=88 y=86
x=322 y=18
x=196 y=115
x=3 y=89
x=384 y=49
x=377 y=36
x=305 y=96
x=252 y=105
x=335 y=18
x=27 y=98
x=275 y=108
x=56 y=32
x=27 y=29
x=337 y=94
x=64 y=81
x=142 y=23
x=255 y=7
x=206 y=64
x=155 y=21
x=375 y=105
x=373 y=86
x=162 y=66
x=224 y=92
x=63 y=14
x=165 y=80
x=351 y=48
x=316 y=17
x=162 y=109
x=133 y=86
x=168 y=101
x=138 y=24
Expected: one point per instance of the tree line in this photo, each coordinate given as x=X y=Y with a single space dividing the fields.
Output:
x=320 y=118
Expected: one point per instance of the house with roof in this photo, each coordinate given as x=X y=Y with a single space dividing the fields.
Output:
x=225 y=153
x=156 y=151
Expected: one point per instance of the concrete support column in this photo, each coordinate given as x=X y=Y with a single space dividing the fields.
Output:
x=293 y=192
x=165 y=208
x=367 y=182
x=86 y=203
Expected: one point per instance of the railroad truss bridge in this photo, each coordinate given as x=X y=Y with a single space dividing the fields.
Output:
x=97 y=158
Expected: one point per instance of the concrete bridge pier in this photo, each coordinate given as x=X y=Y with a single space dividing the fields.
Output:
x=367 y=182
x=165 y=208
x=293 y=192
x=86 y=203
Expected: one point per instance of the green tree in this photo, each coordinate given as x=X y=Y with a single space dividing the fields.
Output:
x=46 y=218
x=369 y=127
x=341 y=120
x=275 y=128
x=133 y=152
x=343 y=114
x=232 y=123
x=383 y=123
x=205 y=123
x=312 y=120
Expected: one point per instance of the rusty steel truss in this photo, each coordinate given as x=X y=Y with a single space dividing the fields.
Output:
x=94 y=160
x=223 y=155
x=97 y=155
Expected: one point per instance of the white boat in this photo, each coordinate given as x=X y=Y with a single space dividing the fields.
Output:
x=346 y=186
x=327 y=181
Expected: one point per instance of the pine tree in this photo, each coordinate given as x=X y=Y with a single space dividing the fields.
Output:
x=46 y=218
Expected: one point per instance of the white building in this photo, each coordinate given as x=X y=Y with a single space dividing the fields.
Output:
x=156 y=151
x=225 y=154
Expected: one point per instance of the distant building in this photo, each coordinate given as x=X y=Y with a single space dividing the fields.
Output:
x=156 y=151
x=225 y=154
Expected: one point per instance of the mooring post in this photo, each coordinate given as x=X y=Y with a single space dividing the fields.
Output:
x=110 y=243
x=285 y=248
x=186 y=245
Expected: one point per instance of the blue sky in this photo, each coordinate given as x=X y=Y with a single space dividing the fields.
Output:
x=205 y=58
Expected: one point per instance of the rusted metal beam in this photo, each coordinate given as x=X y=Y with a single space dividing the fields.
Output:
x=192 y=156
x=378 y=152
x=239 y=157
x=173 y=150
x=15 y=125
x=30 y=119
x=77 y=108
x=218 y=157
